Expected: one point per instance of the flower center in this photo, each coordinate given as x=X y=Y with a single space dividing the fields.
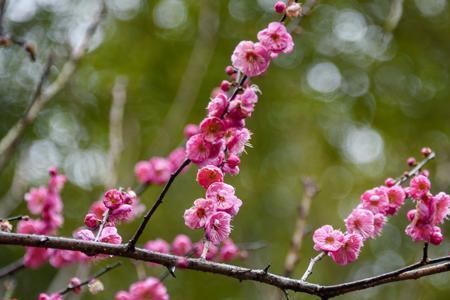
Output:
x=329 y=240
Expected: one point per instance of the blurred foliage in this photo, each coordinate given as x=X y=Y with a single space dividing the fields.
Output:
x=347 y=108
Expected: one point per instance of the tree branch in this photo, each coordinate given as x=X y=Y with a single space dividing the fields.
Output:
x=12 y=268
x=70 y=288
x=434 y=266
x=309 y=192
x=41 y=98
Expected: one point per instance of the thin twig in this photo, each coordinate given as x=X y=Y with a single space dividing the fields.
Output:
x=312 y=262
x=42 y=97
x=132 y=243
x=119 y=98
x=12 y=268
x=310 y=190
x=102 y=224
x=434 y=266
x=70 y=288
x=16 y=218
x=416 y=169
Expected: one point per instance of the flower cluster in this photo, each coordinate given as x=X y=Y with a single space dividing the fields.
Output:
x=157 y=170
x=369 y=217
x=431 y=210
x=183 y=246
x=217 y=143
x=116 y=206
x=46 y=202
x=150 y=288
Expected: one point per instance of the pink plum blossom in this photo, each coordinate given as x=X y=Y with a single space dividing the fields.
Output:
x=229 y=251
x=442 y=208
x=151 y=288
x=218 y=227
x=276 y=39
x=222 y=194
x=375 y=200
x=181 y=245
x=197 y=149
x=160 y=169
x=190 y=130
x=208 y=175
x=142 y=170
x=328 y=239
x=250 y=58
x=176 y=158
x=396 y=197
x=35 y=257
x=109 y=235
x=36 y=199
x=237 y=139
x=85 y=235
x=54 y=296
x=158 y=245
x=217 y=105
x=212 y=250
x=419 y=186
x=113 y=199
x=361 y=221
x=349 y=251
x=379 y=221
x=196 y=216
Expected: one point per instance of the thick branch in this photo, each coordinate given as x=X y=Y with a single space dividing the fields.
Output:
x=434 y=266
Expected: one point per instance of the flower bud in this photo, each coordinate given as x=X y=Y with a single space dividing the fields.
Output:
x=294 y=10
x=280 y=7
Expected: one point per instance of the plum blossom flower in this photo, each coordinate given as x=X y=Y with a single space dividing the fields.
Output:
x=212 y=129
x=361 y=221
x=181 y=245
x=36 y=199
x=419 y=186
x=196 y=216
x=85 y=235
x=150 y=288
x=197 y=149
x=190 y=130
x=229 y=251
x=35 y=257
x=276 y=39
x=158 y=245
x=218 y=227
x=375 y=200
x=109 y=235
x=349 y=252
x=222 y=194
x=237 y=139
x=54 y=296
x=74 y=283
x=442 y=208
x=217 y=105
x=176 y=158
x=250 y=58
x=379 y=221
x=328 y=239
x=160 y=169
x=208 y=175
x=113 y=199
x=396 y=198
x=212 y=250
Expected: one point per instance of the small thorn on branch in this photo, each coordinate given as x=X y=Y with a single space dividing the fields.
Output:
x=266 y=269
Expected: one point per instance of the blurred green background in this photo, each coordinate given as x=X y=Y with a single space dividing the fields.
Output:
x=347 y=107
